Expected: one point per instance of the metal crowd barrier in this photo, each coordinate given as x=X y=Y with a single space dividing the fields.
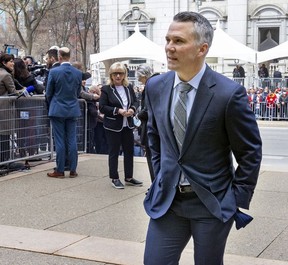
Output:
x=26 y=133
x=271 y=83
x=25 y=130
x=270 y=112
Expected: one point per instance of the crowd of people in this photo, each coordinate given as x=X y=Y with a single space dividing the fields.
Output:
x=16 y=74
x=269 y=104
x=19 y=75
x=63 y=83
x=269 y=100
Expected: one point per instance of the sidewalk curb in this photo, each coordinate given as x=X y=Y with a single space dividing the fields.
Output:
x=84 y=247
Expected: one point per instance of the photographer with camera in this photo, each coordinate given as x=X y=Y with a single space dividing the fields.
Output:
x=38 y=70
x=29 y=61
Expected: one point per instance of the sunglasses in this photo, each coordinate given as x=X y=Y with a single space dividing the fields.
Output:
x=118 y=73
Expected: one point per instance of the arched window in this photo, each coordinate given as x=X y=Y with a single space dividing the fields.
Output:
x=267 y=27
x=136 y=16
x=213 y=15
x=129 y=21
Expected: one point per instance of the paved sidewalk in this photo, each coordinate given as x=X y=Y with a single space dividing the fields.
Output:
x=85 y=221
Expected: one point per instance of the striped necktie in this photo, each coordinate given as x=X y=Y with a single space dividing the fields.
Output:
x=180 y=113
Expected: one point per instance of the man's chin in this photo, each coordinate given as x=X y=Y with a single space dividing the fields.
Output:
x=172 y=66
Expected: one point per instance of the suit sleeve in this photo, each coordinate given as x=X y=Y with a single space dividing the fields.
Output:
x=246 y=146
x=85 y=95
x=50 y=88
x=152 y=131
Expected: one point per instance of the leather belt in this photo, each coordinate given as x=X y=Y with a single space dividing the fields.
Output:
x=185 y=189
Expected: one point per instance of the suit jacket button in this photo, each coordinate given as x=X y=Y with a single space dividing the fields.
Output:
x=180 y=162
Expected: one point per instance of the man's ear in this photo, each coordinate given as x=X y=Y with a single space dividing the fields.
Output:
x=203 y=49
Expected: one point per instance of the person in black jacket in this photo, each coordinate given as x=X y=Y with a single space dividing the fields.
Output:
x=239 y=74
x=24 y=78
x=143 y=73
x=117 y=104
x=263 y=73
x=52 y=61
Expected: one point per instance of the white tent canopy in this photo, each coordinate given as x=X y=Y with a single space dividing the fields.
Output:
x=136 y=46
x=280 y=51
x=226 y=47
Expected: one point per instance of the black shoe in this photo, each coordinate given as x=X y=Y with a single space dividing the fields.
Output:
x=117 y=184
x=133 y=182
x=73 y=174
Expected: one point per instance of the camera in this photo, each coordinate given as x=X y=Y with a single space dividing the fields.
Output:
x=37 y=70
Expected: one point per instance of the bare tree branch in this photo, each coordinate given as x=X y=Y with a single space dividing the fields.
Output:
x=31 y=12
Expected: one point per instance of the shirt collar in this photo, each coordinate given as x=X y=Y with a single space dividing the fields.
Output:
x=194 y=82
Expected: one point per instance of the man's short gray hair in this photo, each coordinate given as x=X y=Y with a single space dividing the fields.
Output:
x=203 y=30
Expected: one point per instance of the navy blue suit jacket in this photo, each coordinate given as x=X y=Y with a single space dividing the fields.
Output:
x=220 y=123
x=63 y=90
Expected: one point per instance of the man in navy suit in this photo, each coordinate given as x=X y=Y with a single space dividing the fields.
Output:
x=62 y=92
x=197 y=191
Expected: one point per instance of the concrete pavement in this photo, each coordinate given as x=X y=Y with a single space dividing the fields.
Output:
x=86 y=221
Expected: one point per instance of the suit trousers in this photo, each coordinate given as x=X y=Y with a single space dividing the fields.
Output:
x=115 y=140
x=168 y=235
x=64 y=131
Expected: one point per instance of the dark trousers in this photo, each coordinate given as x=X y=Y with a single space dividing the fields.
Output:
x=168 y=235
x=115 y=140
x=100 y=140
x=90 y=140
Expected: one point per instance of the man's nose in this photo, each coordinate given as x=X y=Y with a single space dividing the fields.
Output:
x=170 y=47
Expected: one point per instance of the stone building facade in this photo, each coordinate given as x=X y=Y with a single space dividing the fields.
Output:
x=259 y=24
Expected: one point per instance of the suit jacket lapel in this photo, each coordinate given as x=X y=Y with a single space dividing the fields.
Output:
x=200 y=105
x=167 y=96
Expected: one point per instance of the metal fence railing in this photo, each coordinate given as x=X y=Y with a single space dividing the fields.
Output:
x=273 y=83
x=270 y=111
x=25 y=131
x=270 y=83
